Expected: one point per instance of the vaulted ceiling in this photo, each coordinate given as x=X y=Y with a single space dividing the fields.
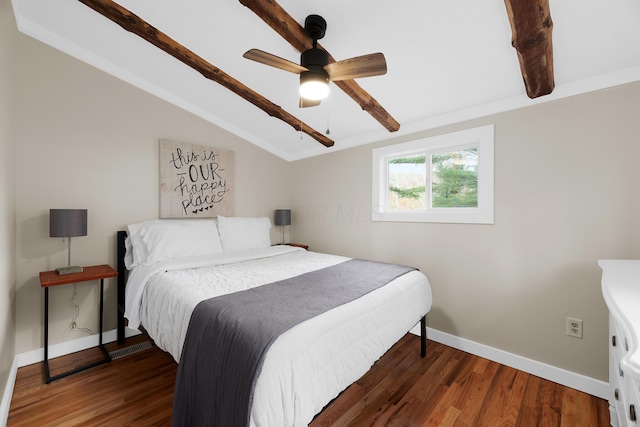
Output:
x=447 y=61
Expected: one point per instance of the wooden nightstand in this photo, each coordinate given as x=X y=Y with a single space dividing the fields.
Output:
x=297 y=245
x=52 y=278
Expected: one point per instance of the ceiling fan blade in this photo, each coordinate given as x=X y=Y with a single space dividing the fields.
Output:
x=370 y=65
x=305 y=103
x=273 y=61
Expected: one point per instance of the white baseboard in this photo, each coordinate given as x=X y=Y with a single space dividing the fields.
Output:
x=57 y=350
x=561 y=376
x=8 y=392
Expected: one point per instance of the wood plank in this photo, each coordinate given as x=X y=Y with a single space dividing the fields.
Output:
x=473 y=399
x=136 y=25
x=418 y=404
x=448 y=388
x=530 y=409
x=550 y=398
x=94 y=272
x=513 y=400
x=578 y=409
x=531 y=28
x=445 y=411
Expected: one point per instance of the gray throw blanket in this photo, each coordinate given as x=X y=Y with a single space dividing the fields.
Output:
x=229 y=336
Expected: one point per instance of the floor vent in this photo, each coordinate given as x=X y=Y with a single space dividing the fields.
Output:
x=116 y=354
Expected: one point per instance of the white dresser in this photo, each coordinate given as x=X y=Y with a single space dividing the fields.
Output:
x=621 y=291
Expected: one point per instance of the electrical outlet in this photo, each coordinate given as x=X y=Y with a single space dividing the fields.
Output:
x=574 y=327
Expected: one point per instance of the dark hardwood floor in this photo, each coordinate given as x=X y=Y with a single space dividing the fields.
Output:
x=447 y=388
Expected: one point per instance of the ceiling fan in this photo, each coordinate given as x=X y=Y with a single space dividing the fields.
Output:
x=315 y=70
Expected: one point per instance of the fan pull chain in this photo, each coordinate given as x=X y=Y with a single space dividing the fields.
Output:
x=328 y=104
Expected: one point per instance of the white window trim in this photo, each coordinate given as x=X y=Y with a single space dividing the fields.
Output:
x=480 y=137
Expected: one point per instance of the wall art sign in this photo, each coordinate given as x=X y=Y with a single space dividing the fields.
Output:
x=196 y=181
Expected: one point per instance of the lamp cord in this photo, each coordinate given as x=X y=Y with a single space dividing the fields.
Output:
x=73 y=325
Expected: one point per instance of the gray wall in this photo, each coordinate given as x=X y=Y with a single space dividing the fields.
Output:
x=88 y=140
x=7 y=194
x=565 y=196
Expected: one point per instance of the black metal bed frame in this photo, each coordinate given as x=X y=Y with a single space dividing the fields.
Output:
x=122 y=281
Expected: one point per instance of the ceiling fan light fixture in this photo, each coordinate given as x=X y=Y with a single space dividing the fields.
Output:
x=314 y=86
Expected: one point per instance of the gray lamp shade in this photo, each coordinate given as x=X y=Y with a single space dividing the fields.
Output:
x=67 y=222
x=283 y=217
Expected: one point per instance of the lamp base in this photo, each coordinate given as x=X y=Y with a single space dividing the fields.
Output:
x=69 y=270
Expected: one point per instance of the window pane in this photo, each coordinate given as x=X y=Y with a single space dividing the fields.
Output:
x=454 y=177
x=407 y=178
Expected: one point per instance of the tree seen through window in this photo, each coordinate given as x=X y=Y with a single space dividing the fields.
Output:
x=454 y=181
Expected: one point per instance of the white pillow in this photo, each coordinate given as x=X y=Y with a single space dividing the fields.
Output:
x=238 y=234
x=129 y=259
x=135 y=233
x=162 y=240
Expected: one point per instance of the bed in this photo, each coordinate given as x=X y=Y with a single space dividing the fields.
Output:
x=170 y=269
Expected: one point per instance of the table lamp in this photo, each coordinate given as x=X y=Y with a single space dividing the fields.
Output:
x=282 y=218
x=68 y=223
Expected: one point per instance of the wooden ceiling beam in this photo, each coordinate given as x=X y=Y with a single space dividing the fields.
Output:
x=278 y=19
x=133 y=23
x=531 y=28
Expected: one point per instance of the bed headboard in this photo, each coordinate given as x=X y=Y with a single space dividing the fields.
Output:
x=122 y=280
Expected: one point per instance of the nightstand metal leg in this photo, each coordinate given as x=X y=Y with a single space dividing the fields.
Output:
x=106 y=356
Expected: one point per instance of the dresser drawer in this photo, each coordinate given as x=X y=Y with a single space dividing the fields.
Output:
x=621 y=291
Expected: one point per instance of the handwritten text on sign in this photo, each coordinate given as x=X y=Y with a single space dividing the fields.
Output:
x=195 y=180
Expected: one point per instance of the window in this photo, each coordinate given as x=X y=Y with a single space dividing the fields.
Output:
x=446 y=178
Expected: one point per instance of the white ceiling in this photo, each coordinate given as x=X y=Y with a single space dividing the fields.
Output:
x=447 y=61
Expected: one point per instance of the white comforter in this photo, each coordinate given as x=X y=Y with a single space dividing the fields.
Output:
x=308 y=365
